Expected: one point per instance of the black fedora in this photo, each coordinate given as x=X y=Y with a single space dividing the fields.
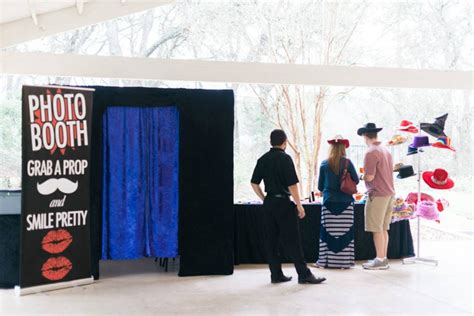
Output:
x=405 y=172
x=368 y=128
x=435 y=129
x=412 y=151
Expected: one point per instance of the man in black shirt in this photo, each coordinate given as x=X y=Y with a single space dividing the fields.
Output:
x=277 y=171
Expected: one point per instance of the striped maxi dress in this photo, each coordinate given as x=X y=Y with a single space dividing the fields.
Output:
x=336 y=242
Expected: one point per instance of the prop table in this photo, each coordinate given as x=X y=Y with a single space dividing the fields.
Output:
x=9 y=250
x=249 y=238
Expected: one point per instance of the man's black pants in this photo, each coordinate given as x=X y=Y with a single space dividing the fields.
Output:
x=282 y=226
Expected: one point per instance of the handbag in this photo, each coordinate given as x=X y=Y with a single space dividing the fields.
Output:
x=348 y=185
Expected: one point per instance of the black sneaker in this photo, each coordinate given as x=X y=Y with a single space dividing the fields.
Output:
x=311 y=279
x=281 y=279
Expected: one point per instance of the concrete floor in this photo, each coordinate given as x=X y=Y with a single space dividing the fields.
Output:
x=142 y=288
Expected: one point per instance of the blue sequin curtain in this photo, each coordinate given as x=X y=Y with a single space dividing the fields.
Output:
x=140 y=182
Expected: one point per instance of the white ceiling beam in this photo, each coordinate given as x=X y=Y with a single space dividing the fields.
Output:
x=68 y=65
x=80 y=6
x=50 y=23
x=32 y=8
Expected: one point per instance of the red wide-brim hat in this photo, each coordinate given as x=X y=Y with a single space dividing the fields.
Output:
x=404 y=124
x=339 y=141
x=443 y=142
x=441 y=145
x=430 y=178
x=411 y=129
x=407 y=126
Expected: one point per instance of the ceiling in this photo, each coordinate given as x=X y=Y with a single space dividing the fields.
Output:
x=26 y=20
x=12 y=10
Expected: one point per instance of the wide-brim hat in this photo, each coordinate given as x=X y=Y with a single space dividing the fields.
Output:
x=443 y=142
x=404 y=125
x=397 y=140
x=420 y=141
x=368 y=128
x=412 y=197
x=435 y=129
x=438 y=179
x=338 y=139
x=411 y=129
x=405 y=172
x=407 y=126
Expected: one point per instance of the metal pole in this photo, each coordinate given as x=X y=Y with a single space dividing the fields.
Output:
x=419 y=198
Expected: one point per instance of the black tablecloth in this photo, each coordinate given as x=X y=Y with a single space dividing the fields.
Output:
x=249 y=238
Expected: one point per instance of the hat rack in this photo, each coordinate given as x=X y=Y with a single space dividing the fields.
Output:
x=418 y=258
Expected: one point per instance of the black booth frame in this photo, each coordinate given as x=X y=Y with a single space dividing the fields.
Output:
x=206 y=215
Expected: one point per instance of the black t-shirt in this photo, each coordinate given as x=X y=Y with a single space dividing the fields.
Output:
x=277 y=171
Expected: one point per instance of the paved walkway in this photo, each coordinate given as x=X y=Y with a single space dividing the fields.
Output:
x=141 y=288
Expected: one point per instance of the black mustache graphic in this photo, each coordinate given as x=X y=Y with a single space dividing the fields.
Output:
x=62 y=184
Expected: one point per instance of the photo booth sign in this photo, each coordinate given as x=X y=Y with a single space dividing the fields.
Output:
x=55 y=220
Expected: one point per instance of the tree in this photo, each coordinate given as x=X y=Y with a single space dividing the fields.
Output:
x=297 y=109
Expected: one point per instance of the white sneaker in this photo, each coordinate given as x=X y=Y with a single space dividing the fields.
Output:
x=376 y=264
x=384 y=260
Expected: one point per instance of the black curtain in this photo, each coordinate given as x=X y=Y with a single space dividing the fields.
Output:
x=206 y=217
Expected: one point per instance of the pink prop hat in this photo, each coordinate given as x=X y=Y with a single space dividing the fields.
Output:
x=427 y=210
x=412 y=197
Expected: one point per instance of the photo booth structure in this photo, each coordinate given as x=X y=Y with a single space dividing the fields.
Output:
x=205 y=217
x=205 y=242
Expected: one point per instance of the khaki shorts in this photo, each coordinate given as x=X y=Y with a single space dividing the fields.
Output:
x=378 y=213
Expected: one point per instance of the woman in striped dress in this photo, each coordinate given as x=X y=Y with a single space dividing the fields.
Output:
x=336 y=242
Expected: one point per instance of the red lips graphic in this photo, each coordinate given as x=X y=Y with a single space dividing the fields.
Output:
x=56 y=241
x=56 y=268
